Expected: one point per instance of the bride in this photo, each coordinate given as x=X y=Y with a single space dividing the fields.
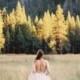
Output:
x=40 y=68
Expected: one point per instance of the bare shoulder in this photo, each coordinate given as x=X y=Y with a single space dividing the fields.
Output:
x=37 y=61
x=46 y=61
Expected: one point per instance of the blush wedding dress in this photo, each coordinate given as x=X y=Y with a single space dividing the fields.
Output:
x=41 y=75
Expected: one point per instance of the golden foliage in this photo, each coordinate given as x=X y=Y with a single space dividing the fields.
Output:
x=60 y=29
x=77 y=21
x=2 y=39
x=20 y=14
x=49 y=26
x=71 y=21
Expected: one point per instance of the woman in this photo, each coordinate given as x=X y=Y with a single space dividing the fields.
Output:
x=40 y=69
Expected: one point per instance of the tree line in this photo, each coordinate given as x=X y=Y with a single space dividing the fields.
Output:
x=38 y=7
x=53 y=32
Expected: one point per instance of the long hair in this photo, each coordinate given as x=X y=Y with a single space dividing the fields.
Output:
x=40 y=53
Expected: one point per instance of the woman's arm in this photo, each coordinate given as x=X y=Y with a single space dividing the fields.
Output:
x=33 y=68
x=48 y=68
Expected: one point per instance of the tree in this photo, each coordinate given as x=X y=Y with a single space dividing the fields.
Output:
x=77 y=35
x=11 y=20
x=2 y=39
x=60 y=29
x=20 y=14
x=45 y=26
x=71 y=31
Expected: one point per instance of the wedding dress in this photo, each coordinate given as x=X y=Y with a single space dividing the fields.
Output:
x=39 y=75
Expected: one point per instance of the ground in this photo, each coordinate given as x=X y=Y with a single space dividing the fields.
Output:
x=18 y=67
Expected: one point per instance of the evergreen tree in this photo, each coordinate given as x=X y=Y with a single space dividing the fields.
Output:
x=77 y=35
x=60 y=29
x=2 y=39
x=20 y=14
x=71 y=31
x=11 y=20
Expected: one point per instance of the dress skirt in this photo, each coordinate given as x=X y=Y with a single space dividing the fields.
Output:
x=38 y=76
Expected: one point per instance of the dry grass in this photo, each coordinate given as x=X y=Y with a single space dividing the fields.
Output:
x=18 y=67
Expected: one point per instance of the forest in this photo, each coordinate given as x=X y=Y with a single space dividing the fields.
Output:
x=38 y=7
x=52 y=29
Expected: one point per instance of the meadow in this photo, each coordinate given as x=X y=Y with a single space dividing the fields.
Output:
x=18 y=67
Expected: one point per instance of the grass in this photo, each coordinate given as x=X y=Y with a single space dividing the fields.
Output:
x=18 y=67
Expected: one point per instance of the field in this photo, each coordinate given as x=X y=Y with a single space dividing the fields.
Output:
x=18 y=67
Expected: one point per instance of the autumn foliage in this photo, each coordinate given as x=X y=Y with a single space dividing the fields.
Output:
x=52 y=32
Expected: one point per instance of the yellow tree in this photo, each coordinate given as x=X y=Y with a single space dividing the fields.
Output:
x=39 y=29
x=11 y=20
x=15 y=22
x=2 y=39
x=60 y=29
x=77 y=21
x=41 y=33
x=52 y=41
x=31 y=25
x=71 y=22
x=17 y=16
x=23 y=18
x=77 y=34
x=44 y=29
x=20 y=14
x=36 y=20
x=45 y=26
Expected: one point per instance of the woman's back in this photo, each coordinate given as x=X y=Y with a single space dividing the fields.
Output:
x=40 y=65
x=40 y=68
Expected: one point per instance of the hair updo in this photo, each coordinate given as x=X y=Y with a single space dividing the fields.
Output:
x=40 y=53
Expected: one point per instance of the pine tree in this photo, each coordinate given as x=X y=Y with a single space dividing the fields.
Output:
x=71 y=31
x=77 y=21
x=39 y=29
x=20 y=14
x=36 y=20
x=60 y=30
x=51 y=40
x=20 y=41
x=61 y=27
x=77 y=35
x=45 y=26
x=71 y=21
x=31 y=26
x=12 y=19
x=2 y=39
